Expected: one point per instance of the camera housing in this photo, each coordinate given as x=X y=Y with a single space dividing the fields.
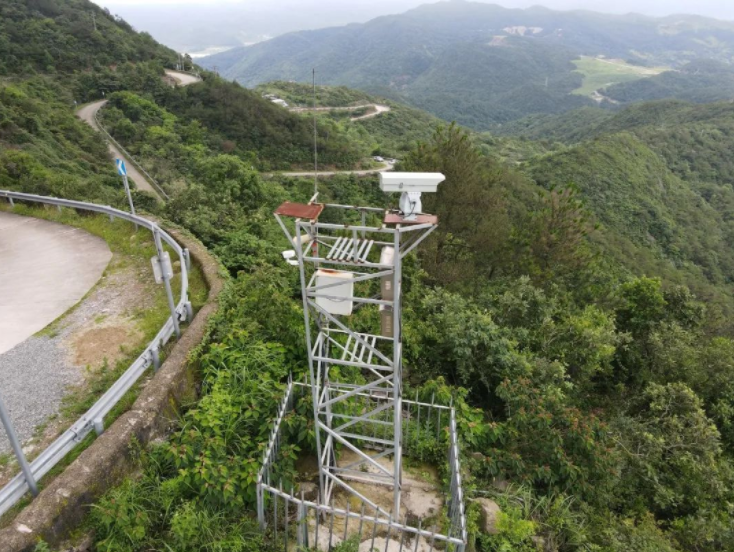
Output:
x=410 y=181
x=411 y=184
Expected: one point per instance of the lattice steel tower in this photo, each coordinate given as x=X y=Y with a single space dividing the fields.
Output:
x=351 y=282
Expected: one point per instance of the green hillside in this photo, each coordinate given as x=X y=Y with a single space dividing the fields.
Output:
x=601 y=73
x=651 y=221
x=49 y=48
x=575 y=300
x=55 y=36
x=483 y=65
x=700 y=81
x=694 y=140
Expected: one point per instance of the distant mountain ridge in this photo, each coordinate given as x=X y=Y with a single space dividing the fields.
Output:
x=479 y=64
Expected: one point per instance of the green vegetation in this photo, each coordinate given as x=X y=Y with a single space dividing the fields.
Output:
x=301 y=95
x=63 y=36
x=564 y=358
x=699 y=81
x=574 y=301
x=600 y=73
x=45 y=148
x=653 y=222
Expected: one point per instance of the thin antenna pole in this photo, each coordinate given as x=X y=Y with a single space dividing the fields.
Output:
x=315 y=141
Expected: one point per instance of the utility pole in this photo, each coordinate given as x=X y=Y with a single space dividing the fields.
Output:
x=94 y=21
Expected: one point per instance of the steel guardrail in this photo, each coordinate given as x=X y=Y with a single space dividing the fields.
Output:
x=132 y=160
x=92 y=420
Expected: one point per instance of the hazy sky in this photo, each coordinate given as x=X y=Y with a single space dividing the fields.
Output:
x=206 y=26
x=723 y=9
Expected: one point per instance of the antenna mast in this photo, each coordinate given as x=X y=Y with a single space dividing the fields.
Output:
x=315 y=141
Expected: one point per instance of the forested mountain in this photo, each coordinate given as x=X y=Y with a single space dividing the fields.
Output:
x=52 y=36
x=698 y=81
x=694 y=140
x=575 y=299
x=483 y=65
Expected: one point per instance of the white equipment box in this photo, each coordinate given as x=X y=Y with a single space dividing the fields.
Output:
x=387 y=258
x=343 y=293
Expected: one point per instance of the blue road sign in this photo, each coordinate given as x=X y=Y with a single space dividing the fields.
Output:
x=121 y=169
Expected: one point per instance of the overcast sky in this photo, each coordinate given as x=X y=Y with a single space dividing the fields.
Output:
x=723 y=9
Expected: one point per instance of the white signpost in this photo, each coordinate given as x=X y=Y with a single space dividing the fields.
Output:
x=122 y=171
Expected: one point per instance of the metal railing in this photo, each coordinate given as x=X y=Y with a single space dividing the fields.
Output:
x=288 y=518
x=92 y=420
x=130 y=158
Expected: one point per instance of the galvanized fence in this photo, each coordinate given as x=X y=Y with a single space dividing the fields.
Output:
x=295 y=522
x=93 y=419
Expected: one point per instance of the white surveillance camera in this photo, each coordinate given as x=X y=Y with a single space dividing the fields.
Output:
x=410 y=182
x=411 y=185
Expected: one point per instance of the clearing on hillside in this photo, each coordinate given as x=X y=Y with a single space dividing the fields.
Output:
x=600 y=72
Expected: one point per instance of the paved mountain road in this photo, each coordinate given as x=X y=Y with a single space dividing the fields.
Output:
x=183 y=79
x=87 y=114
x=378 y=110
x=45 y=269
x=386 y=166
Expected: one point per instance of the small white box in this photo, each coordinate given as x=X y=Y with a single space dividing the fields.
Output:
x=387 y=258
x=344 y=293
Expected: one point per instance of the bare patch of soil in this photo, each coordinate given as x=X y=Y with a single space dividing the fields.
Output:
x=108 y=343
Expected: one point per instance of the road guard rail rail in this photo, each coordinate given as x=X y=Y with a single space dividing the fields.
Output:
x=93 y=419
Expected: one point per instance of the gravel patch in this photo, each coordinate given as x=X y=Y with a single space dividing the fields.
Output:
x=38 y=373
x=35 y=376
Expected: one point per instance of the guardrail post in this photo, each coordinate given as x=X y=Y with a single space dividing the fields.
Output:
x=187 y=258
x=99 y=426
x=155 y=356
x=167 y=283
x=12 y=203
x=18 y=449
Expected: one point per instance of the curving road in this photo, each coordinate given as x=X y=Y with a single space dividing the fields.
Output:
x=378 y=109
x=88 y=114
x=183 y=79
x=386 y=166
x=45 y=269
